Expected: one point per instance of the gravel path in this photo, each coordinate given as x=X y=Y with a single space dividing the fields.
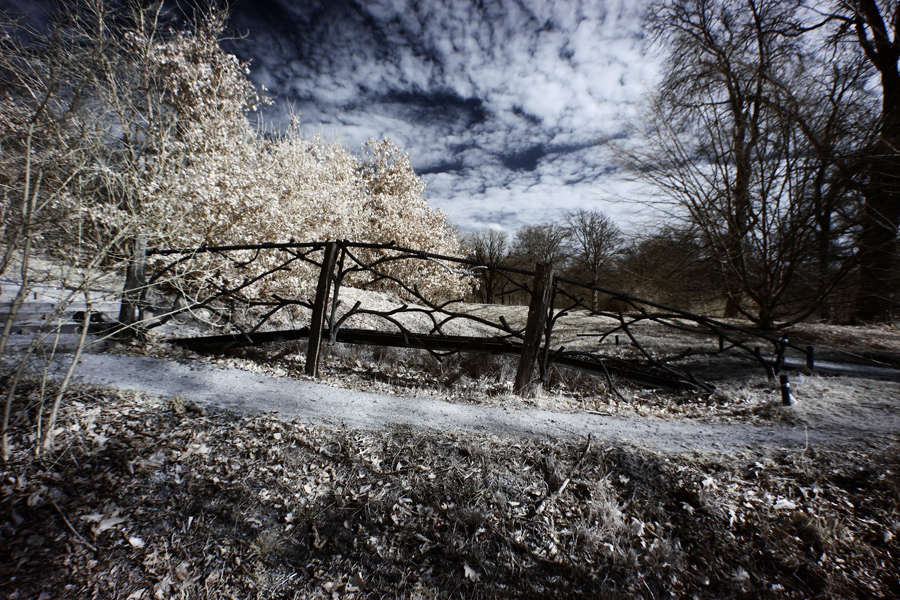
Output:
x=247 y=393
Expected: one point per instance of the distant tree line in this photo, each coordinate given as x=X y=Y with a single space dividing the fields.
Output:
x=586 y=245
x=667 y=266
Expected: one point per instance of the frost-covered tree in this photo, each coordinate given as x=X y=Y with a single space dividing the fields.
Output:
x=595 y=240
x=157 y=142
x=118 y=122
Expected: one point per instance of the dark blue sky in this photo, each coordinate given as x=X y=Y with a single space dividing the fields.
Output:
x=506 y=107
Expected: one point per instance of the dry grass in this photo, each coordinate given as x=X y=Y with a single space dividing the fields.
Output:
x=143 y=499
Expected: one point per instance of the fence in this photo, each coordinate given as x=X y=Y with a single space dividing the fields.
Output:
x=641 y=340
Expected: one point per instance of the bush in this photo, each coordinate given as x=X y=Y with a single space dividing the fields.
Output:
x=152 y=118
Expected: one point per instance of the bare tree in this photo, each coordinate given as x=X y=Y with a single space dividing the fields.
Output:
x=737 y=149
x=595 y=240
x=488 y=247
x=89 y=135
x=50 y=149
x=672 y=266
x=875 y=25
x=545 y=243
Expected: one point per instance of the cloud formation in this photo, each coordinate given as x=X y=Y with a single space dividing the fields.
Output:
x=506 y=107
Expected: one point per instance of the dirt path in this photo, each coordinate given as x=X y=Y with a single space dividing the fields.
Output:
x=248 y=393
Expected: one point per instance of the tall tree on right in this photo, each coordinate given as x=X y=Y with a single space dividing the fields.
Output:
x=875 y=25
x=747 y=145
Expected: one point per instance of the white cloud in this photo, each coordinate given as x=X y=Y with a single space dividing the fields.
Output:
x=501 y=105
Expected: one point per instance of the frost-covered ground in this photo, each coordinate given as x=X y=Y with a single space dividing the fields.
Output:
x=400 y=476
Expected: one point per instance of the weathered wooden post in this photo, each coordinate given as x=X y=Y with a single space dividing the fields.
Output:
x=135 y=285
x=317 y=325
x=544 y=363
x=534 y=328
x=335 y=301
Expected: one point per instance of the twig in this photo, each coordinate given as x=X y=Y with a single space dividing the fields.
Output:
x=553 y=495
x=609 y=382
x=598 y=412
x=524 y=548
x=72 y=529
x=46 y=442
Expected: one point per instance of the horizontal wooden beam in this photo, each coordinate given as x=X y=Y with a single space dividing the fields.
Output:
x=466 y=344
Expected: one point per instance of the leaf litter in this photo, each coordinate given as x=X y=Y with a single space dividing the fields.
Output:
x=183 y=502
x=144 y=498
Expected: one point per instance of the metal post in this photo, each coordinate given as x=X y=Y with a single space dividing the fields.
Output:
x=786 y=398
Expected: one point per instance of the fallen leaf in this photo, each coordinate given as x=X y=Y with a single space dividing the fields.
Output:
x=161 y=589
x=183 y=571
x=109 y=523
x=784 y=504
x=357 y=582
x=93 y=518
x=136 y=541
x=471 y=573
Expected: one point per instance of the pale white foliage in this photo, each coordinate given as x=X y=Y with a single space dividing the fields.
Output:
x=233 y=185
x=267 y=190
x=394 y=210
x=169 y=153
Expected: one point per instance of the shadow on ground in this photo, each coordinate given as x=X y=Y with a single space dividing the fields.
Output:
x=144 y=500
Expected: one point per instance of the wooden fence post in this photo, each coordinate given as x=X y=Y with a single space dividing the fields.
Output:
x=317 y=325
x=534 y=329
x=135 y=284
x=544 y=363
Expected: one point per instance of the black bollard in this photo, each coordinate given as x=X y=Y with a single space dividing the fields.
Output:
x=786 y=398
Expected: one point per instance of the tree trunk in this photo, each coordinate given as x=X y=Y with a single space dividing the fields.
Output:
x=878 y=279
